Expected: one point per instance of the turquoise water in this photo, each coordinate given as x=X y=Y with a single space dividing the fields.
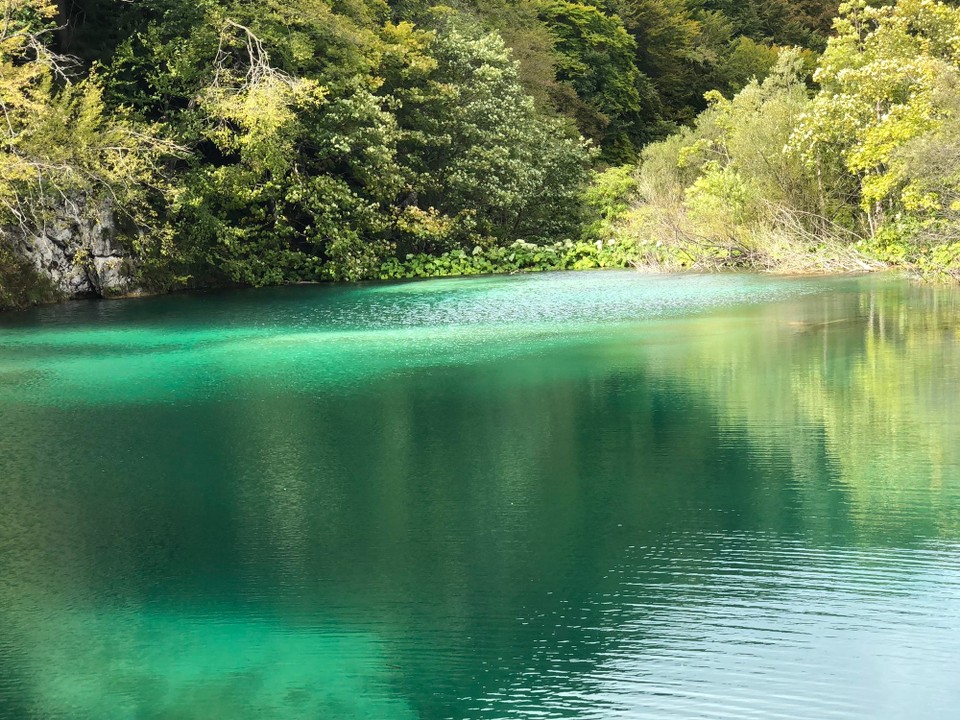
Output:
x=579 y=495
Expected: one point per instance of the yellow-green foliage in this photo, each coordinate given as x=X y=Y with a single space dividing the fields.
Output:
x=886 y=112
x=865 y=167
x=25 y=94
x=711 y=195
x=608 y=199
x=60 y=150
x=881 y=79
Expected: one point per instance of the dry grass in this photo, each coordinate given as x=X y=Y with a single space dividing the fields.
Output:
x=786 y=242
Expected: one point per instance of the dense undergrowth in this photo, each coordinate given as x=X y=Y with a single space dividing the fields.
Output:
x=519 y=257
x=853 y=166
x=311 y=140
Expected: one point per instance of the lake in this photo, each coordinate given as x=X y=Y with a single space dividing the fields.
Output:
x=576 y=495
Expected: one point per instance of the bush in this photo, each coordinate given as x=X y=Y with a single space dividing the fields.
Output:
x=608 y=199
x=519 y=257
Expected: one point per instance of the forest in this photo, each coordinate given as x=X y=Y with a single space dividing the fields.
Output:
x=235 y=143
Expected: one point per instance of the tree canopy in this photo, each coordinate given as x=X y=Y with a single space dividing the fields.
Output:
x=261 y=143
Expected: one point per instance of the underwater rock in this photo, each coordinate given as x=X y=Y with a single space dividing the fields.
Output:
x=113 y=665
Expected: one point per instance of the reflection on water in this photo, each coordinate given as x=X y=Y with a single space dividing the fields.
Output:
x=585 y=495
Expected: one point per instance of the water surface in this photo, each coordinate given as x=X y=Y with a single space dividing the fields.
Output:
x=580 y=495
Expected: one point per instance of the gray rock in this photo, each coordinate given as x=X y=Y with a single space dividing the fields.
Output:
x=80 y=255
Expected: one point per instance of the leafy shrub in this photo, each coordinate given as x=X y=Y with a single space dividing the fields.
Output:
x=518 y=257
x=608 y=199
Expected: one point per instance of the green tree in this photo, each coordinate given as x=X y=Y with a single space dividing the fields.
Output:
x=61 y=152
x=677 y=48
x=480 y=159
x=596 y=56
x=882 y=79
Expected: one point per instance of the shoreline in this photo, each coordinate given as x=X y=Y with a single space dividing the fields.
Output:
x=646 y=269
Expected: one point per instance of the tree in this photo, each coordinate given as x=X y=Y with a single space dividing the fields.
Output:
x=476 y=149
x=596 y=56
x=881 y=80
x=60 y=151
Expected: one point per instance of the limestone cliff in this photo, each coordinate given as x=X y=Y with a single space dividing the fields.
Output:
x=80 y=257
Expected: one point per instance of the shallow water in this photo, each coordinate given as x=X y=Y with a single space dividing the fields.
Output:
x=580 y=495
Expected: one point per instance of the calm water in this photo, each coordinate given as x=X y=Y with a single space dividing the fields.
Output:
x=599 y=495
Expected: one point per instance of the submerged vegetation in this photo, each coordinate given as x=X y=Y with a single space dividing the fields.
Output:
x=307 y=140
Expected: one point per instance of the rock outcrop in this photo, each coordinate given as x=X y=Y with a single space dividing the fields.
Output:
x=80 y=256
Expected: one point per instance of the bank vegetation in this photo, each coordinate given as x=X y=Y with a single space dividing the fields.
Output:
x=311 y=140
